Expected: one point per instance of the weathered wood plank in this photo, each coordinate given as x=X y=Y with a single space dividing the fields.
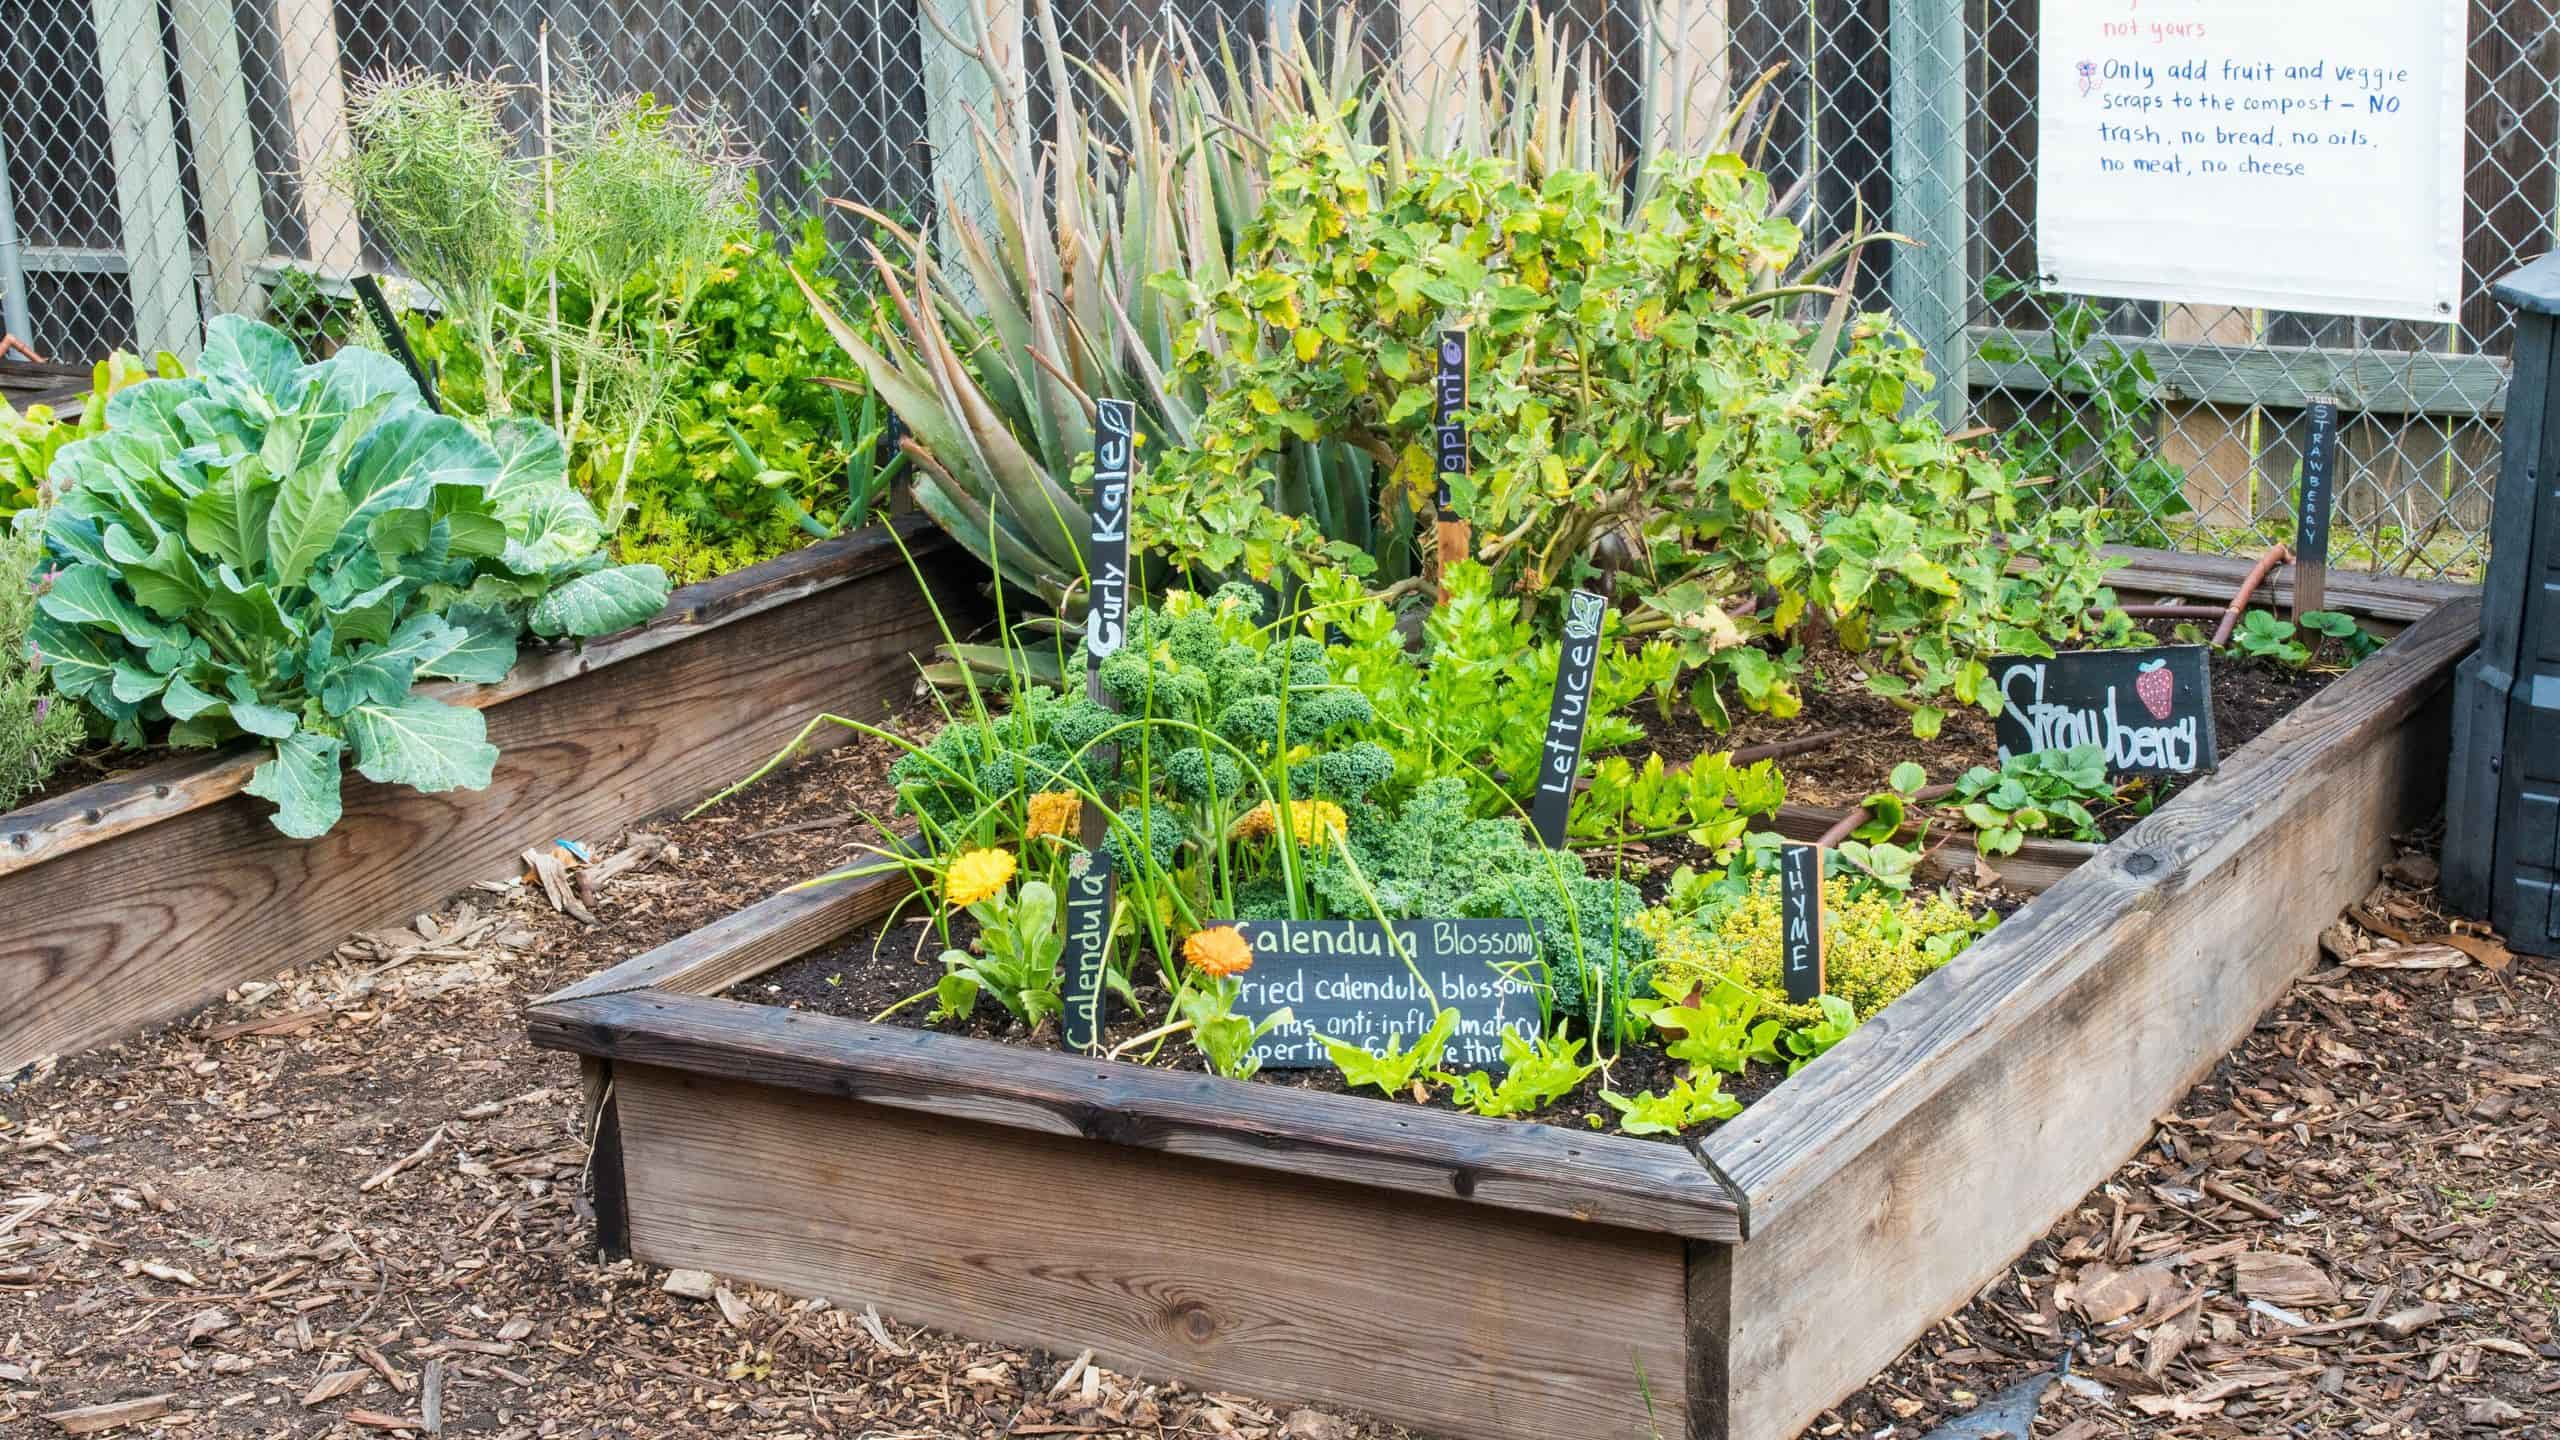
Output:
x=2118 y=988
x=2394 y=598
x=163 y=916
x=2385 y=382
x=96 y=813
x=746 y=943
x=1455 y=1318
x=1504 y=1164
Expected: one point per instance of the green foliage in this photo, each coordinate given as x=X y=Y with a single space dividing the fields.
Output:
x=1224 y=1039
x=1712 y=801
x=29 y=442
x=1534 y=1076
x=37 y=731
x=280 y=550
x=1876 y=945
x=1473 y=703
x=1708 y=1026
x=2043 y=792
x=1809 y=1043
x=1394 y=1069
x=2263 y=635
x=1016 y=961
x=1688 y=1104
x=2098 y=439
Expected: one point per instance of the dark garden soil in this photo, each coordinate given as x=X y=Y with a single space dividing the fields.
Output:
x=1873 y=736
x=2352 y=1227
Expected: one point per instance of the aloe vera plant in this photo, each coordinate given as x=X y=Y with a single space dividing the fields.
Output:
x=279 y=550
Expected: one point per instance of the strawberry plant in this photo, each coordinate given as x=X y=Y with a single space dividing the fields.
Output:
x=2043 y=792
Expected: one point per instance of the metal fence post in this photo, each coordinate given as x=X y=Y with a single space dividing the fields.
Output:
x=1931 y=287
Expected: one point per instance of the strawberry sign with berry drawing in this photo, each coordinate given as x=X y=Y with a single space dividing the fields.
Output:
x=2151 y=711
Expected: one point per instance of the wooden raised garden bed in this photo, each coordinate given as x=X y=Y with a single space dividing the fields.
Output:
x=141 y=897
x=1484 y=1278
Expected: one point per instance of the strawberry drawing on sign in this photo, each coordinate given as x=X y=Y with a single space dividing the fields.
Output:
x=2155 y=685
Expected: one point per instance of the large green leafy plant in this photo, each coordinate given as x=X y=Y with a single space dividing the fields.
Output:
x=280 y=550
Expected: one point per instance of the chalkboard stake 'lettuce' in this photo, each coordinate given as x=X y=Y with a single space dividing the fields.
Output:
x=280 y=550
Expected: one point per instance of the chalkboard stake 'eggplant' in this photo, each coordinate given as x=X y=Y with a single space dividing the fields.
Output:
x=1800 y=921
x=1560 y=756
x=1449 y=390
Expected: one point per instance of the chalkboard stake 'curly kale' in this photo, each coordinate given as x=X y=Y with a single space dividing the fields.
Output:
x=281 y=551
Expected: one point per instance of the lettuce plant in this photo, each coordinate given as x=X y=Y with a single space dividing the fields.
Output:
x=280 y=550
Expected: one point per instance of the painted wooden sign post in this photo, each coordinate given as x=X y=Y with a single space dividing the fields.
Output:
x=1567 y=716
x=1800 y=920
x=1359 y=983
x=1449 y=385
x=2311 y=511
x=2151 y=711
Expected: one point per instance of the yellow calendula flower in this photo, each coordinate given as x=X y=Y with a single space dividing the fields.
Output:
x=977 y=875
x=1219 y=952
x=1055 y=812
x=1308 y=819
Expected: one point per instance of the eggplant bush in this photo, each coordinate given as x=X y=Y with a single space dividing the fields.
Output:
x=280 y=550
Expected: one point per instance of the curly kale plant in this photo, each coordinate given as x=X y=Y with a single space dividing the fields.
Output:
x=281 y=550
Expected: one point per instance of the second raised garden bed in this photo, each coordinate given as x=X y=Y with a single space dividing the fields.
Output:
x=1473 y=1277
x=142 y=897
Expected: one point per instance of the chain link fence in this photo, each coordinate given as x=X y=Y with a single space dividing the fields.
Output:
x=156 y=155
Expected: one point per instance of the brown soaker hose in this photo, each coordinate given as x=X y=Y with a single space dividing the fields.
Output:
x=1840 y=829
x=2277 y=554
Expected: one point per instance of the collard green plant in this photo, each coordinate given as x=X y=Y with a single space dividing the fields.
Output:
x=280 y=550
x=29 y=441
x=38 y=731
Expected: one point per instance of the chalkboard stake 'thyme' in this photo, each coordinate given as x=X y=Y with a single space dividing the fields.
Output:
x=1800 y=920
x=1106 y=615
x=1449 y=387
x=2311 y=517
x=1560 y=757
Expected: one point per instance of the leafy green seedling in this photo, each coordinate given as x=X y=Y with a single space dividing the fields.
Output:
x=1537 y=1076
x=1685 y=1106
x=1394 y=1071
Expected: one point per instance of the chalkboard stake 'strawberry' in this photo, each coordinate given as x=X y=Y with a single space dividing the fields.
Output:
x=2155 y=685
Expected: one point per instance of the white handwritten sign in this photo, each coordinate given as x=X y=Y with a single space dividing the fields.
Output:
x=2261 y=153
x=1370 y=985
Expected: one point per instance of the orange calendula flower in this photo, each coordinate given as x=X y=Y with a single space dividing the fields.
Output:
x=1219 y=952
x=1055 y=812
x=976 y=876
x=1308 y=819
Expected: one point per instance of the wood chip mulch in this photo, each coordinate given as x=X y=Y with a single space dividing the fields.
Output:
x=2352 y=1228
x=348 y=1201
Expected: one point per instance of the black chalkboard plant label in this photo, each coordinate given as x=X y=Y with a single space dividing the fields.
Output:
x=1107 y=614
x=2312 y=507
x=2150 y=711
x=1568 y=714
x=1362 y=983
x=1083 y=992
x=1449 y=391
x=1800 y=935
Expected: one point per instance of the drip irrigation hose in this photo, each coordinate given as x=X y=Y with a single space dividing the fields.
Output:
x=2277 y=554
